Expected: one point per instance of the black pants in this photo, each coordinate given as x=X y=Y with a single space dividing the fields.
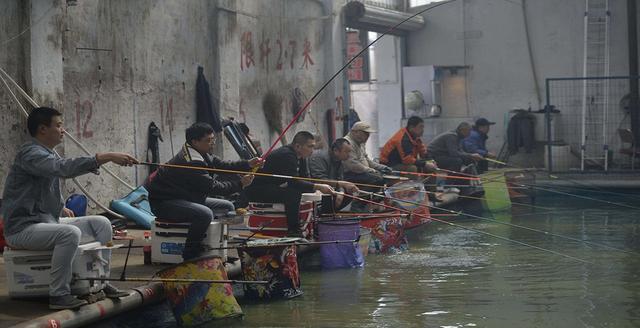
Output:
x=366 y=178
x=275 y=194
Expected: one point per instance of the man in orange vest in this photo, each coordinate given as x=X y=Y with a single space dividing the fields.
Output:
x=405 y=151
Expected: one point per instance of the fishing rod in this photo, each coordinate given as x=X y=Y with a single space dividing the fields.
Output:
x=206 y=281
x=326 y=84
x=485 y=198
x=437 y=175
x=280 y=176
x=293 y=243
x=474 y=230
x=511 y=225
x=577 y=196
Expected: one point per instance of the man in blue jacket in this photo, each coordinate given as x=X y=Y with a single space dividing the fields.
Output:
x=476 y=142
x=32 y=204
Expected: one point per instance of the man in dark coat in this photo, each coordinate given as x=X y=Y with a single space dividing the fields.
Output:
x=289 y=160
x=183 y=195
x=327 y=165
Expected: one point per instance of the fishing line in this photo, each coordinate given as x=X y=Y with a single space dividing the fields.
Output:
x=470 y=229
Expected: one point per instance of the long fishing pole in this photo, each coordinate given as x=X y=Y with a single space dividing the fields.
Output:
x=577 y=196
x=470 y=229
x=508 y=224
x=293 y=243
x=324 y=86
x=436 y=175
x=206 y=281
x=280 y=176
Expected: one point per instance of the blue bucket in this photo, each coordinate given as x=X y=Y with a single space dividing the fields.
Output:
x=343 y=255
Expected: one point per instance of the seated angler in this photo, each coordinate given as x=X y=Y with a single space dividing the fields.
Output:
x=32 y=205
x=289 y=160
x=476 y=142
x=184 y=194
x=405 y=151
x=447 y=151
x=328 y=166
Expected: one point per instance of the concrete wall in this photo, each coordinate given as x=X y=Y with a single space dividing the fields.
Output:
x=489 y=37
x=113 y=67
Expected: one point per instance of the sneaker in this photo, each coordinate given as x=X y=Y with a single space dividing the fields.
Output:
x=65 y=302
x=111 y=291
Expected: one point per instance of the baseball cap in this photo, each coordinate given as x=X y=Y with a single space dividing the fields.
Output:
x=362 y=126
x=484 y=122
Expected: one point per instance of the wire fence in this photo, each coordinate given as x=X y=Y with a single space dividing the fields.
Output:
x=588 y=124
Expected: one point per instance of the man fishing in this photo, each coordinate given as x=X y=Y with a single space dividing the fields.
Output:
x=446 y=149
x=328 y=166
x=288 y=160
x=34 y=215
x=405 y=150
x=476 y=142
x=184 y=195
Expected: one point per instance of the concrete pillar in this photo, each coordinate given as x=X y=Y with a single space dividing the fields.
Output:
x=225 y=83
x=45 y=52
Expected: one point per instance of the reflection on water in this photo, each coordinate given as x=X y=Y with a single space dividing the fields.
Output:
x=458 y=278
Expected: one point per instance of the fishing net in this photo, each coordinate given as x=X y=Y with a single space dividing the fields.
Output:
x=407 y=195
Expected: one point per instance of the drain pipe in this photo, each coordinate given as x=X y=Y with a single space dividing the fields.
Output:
x=140 y=296
x=632 y=28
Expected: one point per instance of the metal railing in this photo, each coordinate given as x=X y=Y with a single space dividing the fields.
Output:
x=586 y=131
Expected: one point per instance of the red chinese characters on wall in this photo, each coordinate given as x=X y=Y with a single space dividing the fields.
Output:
x=358 y=70
x=286 y=51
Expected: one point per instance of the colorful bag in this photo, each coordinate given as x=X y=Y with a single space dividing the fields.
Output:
x=135 y=206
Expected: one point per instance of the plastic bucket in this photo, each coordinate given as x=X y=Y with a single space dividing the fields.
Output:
x=342 y=255
x=199 y=302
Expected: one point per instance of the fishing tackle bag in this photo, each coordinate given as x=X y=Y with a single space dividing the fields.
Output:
x=135 y=206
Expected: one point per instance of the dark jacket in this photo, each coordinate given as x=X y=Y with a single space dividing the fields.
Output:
x=521 y=132
x=447 y=144
x=205 y=111
x=189 y=184
x=323 y=166
x=284 y=161
x=475 y=143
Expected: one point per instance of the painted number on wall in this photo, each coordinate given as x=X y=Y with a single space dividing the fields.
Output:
x=84 y=112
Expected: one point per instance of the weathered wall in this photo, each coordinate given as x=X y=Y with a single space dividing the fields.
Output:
x=489 y=37
x=115 y=66
x=12 y=60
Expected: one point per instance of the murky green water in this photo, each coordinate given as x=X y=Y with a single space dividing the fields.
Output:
x=457 y=278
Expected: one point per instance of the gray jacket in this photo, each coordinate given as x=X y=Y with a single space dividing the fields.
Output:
x=32 y=189
x=323 y=166
x=359 y=161
x=447 y=144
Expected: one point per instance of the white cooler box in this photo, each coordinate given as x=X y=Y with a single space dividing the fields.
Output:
x=168 y=239
x=29 y=272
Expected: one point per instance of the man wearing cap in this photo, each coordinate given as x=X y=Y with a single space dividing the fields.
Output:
x=359 y=167
x=476 y=142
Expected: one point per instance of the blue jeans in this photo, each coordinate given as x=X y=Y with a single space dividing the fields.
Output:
x=64 y=238
x=200 y=216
